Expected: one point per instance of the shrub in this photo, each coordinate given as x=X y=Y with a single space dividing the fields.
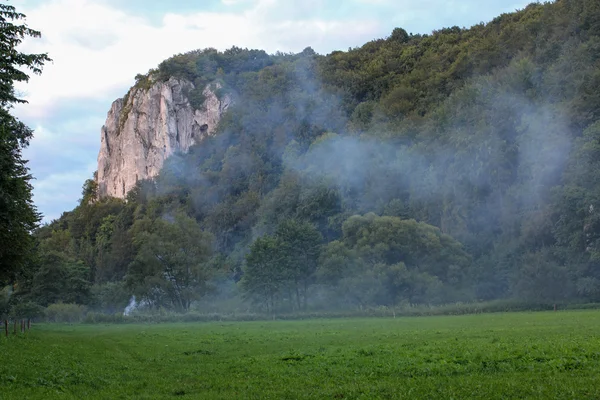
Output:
x=61 y=312
x=101 y=318
x=197 y=98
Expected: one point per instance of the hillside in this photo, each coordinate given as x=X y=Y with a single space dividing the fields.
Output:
x=429 y=169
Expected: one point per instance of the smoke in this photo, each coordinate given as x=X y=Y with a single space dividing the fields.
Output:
x=130 y=307
x=134 y=305
x=486 y=149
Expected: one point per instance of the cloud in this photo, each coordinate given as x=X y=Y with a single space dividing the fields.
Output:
x=94 y=40
x=99 y=46
x=103 y=48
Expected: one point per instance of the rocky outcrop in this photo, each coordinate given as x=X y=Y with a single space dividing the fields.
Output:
x=147 y=126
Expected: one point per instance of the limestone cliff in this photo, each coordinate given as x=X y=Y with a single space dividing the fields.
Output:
x=147 y=126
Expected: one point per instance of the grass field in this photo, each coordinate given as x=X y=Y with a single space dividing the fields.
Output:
x=490 y=356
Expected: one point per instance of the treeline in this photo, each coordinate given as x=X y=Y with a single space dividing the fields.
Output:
x=416 y=169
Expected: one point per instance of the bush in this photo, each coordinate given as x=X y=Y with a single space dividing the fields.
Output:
x=404 y=310
x=197 y=98
x=101 y=318
x=61 y=312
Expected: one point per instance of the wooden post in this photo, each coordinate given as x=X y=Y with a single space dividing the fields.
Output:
x=6 y=327
x=28 y=324
x=23 y=326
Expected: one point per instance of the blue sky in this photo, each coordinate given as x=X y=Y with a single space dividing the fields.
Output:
x=98 y=46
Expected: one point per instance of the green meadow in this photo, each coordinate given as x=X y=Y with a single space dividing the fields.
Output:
x=489 y=356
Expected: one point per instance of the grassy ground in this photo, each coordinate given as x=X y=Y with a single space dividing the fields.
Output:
x=488 y=356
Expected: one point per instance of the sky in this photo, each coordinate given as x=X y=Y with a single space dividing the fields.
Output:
x=98 y=46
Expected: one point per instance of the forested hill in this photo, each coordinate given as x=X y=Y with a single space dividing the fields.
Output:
x=456 y=166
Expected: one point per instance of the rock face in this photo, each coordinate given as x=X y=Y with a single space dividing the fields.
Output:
x=147 y=126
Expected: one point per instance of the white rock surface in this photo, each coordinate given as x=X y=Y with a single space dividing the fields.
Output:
x=149 y=125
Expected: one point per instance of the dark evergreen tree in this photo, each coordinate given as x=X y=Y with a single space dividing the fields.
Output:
x=18 y=215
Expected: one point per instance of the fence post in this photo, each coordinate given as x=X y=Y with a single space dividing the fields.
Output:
x=15 y=329
x=6 y=327
x=28 y=323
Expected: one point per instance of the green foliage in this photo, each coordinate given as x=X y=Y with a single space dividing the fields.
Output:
x=26 y=309
x=89 y=191
x=541 y=278
x=11 y=35
x=387 y=260
x=127 y=105
x=102 y=318
x=145 y=81
x=416 y=169
x=171 y=266
x=61 y=312
x=60 y=279
x=209 y=64
x=5 y=294
x=283 y=266
x=300 y=244
x=111 y=297
x=18 y=215
x=197 y=97
x=263 y=277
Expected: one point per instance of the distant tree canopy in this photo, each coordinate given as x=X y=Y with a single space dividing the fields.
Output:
x=415 y=169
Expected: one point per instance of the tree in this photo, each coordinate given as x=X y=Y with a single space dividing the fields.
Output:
x=391 y=240
x=299 y=244
x=59 y=278
x=283 y=264
x=18 y=215
x=400 y=35
x=172 y=262
x=89 y=191
x=542 y=279
x=263 y=276
x=385 y=260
